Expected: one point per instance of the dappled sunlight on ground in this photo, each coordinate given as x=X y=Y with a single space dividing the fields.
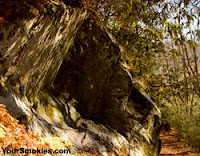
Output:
x=173 y=146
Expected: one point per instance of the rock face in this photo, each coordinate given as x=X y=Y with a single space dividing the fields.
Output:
x=65 y=75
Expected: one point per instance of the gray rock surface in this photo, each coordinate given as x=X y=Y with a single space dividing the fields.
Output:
x=66 y=76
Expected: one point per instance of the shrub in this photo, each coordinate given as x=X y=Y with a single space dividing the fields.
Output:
x=187 y=126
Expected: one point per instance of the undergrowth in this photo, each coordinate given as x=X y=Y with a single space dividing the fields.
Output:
x=187 y=125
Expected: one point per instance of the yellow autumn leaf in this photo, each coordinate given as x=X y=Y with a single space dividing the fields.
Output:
x=2 y=133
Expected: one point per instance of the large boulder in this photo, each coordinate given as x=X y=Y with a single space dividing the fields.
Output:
x=64 y=74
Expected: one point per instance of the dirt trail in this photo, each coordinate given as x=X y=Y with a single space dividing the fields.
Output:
x=172 y=146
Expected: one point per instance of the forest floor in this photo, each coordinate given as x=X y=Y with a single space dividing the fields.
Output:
x=173 y=146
